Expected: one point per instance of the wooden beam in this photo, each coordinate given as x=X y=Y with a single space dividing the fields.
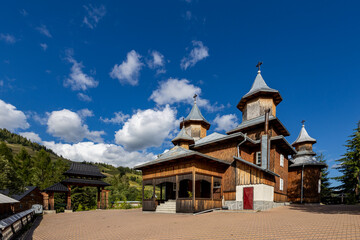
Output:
x=212 y=188
x=193 y=187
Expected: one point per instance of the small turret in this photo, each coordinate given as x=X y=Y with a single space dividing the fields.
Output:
x=183 y=139
x=304 y=142
x=195 y=124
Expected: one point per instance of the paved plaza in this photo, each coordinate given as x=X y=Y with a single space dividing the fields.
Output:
x=290 y=222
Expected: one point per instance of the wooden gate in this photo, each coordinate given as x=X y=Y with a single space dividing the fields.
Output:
x=248 y=196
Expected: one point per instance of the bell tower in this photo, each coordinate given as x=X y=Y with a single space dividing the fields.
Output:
x=195 y=124
x=259 y=99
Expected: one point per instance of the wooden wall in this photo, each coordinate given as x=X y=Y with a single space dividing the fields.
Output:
x=34 y=197
x=311 y=178
x=224 y=151
x=282 y=171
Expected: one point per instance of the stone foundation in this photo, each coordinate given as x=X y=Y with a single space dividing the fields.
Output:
x=258 y=205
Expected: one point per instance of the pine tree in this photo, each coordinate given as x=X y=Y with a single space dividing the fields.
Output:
x=350 y=167
x=326 y=190
x=44 y=169
x=26 y=165
x=9 y=179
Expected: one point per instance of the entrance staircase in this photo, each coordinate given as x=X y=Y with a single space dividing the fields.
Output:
x=167 y=207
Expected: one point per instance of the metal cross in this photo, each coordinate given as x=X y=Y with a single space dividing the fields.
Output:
x=195 y=97
x=303 y=121
x=258 y=65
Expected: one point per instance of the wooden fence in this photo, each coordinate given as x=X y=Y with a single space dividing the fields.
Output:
x=13 y=224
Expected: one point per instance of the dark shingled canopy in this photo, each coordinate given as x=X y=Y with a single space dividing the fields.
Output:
x=57 y=187
x=84 y=170
x=87 y=182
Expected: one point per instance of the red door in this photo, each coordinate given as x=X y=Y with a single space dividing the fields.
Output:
x=248 y=197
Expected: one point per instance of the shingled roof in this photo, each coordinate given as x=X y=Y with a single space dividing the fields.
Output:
x=195 y=115
x=259 y=87
x=87 y=182
x=57 y=187
x=304 y=137
x=19 y=196
x=182 y=136
x=82 y=169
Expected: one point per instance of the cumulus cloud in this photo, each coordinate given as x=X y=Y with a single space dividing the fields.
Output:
x=8 y=38
x=174 y=90
x=100 y=152
x=157 y=61
x=31 y=136
x=69 y=126
x=84 y=113
x=44 y=31
x=78 y=80
x=11 y=118
x=117 y=119
x=198 y=53
x=146 y=128
x=44 y=46
x=128 y=71
x=93 y=15
x=225 y=122
x=83 y=97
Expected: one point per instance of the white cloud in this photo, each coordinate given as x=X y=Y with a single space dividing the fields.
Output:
x=23 y=12
x=225 y=122
x=78 y=80
x=174 y=90
x=118 y=119
x=42 y=119
x=8 y=38
x=83 y=97
x=188 y=16
x=44 y=46
x=31 y=136
x=94 y=15
x=100 y=152
x=11 y=118
x=157 y=61
x=44 y=31
x=146 y=128
x=198 y=53
x=69 y=126
x=128 y=71
x=84 y=113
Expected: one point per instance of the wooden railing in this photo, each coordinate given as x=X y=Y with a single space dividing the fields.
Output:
x=187 y=206
x=13 y=224
x=149 y=205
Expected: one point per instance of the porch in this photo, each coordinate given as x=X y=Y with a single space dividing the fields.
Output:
x=192 y=192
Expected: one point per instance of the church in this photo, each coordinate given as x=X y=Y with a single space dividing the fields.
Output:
x=252 y=166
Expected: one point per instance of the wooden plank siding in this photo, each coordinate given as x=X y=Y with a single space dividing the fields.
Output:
x=187 y=205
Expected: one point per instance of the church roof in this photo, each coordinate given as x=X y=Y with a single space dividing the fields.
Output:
x=83 y=169
x=5 y=199
x=212 y=137
x=21 y=195
x=303 y=137
x=182 y=136
x=260 y=120
x=259 y=87
x=195 y=115
x=176 y=153
x=306 y=160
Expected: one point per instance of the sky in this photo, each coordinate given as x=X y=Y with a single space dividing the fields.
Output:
x=109 y=81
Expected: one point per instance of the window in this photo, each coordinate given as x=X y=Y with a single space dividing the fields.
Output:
x=281 y=160
x=258 y=158
x=281 y=184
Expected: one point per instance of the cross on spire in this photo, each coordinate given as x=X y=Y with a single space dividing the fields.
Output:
x=303 y=122
x=195 y=96
x=258 y=66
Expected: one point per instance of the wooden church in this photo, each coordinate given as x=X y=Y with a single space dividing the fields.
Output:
x=251 y=167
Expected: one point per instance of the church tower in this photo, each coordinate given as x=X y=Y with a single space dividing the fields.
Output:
x=183 y=139
x=260 y=98
x=195 y=124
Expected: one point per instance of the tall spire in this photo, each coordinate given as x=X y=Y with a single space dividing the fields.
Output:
x=304 y=136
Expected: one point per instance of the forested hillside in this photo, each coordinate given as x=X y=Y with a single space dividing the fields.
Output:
x=25 y=163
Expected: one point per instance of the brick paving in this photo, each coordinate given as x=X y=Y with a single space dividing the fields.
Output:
x=290 y=222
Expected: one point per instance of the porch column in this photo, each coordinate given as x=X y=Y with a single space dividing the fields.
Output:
x=161 y=187
x=107 y=199
x=102 y=198
x=142 y=190
x=98 y=198
x=68 y=206
x=51 y=201
x=177 y=186
x=153 y=182
x=212 y=188
x=193 y=188
x=45 y=200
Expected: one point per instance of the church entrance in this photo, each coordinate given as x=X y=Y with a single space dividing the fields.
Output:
x=248 y=196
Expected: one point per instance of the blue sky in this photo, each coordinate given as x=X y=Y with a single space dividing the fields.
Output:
x=109 y=80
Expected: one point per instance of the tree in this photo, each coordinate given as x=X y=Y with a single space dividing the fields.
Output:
x=326 y=190
x=43 y=174
x=9 y=179
x=350 y=167
x=26 y=165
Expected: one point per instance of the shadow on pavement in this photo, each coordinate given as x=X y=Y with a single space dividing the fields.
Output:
x=327 y=209
x=28 y=235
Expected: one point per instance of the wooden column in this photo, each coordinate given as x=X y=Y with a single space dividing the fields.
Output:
x=45 y=200
x=107 y=199
x=68 y=205
x=98 y=198
x=193 y=188
x=102 y=200
x=177 y=187
x=212 y=188
x=51 y=201
x=153 y=182
x=161 y=187
x=142 y=189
